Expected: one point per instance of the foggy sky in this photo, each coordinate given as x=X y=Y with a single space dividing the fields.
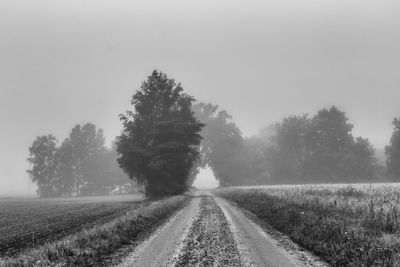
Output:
x=74 y=61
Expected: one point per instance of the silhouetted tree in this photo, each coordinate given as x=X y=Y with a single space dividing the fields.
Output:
x=161 y=137
x=42 y=159
x=392 y=152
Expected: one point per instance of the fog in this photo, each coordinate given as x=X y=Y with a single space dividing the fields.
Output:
x=68 y=62
x=205 y=179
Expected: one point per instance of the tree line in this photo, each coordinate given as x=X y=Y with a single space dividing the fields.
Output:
x=168 y=136
x=80 y=166
x=299 y=149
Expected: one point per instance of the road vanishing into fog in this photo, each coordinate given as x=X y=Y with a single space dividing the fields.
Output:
x=212 y=232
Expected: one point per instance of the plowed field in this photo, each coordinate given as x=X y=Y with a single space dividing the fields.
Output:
x=28 y=223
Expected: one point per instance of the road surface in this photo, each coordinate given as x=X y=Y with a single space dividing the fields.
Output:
x=212 y=232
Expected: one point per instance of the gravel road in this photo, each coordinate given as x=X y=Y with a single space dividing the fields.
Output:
x=212 y=232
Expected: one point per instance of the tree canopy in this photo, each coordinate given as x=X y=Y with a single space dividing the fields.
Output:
x=161 y=139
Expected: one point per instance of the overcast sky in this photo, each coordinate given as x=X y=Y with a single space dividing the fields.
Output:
x=74 y=61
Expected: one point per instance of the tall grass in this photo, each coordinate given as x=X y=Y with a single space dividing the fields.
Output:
x=344 y=225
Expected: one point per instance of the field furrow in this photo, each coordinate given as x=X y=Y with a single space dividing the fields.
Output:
x=28 y=223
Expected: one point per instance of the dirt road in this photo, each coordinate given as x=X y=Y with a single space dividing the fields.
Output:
x=212 y=232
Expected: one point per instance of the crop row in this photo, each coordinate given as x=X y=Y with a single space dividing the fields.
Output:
x=104 y=243
x=27 y=225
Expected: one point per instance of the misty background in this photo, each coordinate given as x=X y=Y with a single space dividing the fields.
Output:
x=69 y=62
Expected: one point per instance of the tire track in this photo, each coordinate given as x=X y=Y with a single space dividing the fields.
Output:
x=258 y=248
x=161 y=248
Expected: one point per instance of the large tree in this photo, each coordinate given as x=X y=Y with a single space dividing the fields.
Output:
x=160 y=141
x=393 y=152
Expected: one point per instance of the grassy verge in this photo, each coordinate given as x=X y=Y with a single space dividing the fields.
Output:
x=91 y=247
x=344 y=226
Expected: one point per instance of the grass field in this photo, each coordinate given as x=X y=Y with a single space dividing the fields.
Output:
x=346 y=225
x=28 y=223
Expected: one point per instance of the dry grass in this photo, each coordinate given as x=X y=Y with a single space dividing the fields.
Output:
x=346 y=225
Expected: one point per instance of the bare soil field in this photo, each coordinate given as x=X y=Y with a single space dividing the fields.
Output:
x=29 y=223
x=345 y=225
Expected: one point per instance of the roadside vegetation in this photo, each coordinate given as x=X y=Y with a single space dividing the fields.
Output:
x=95 y=246
x=344 y=225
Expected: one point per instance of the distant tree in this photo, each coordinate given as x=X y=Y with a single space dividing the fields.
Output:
x=288 y=153
x=319 y=150
x=266 y=134
x=66 y=171
x=221 y=145
x=255 y=167
x=392 y=152
x=82 y=165
x=42 y=159
x=160 y=141
x=103 y=173
x=329 y=131
x=361 y=162
x=116 y=177
x=328 y=141
x=227 y=162
x=86 y=143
